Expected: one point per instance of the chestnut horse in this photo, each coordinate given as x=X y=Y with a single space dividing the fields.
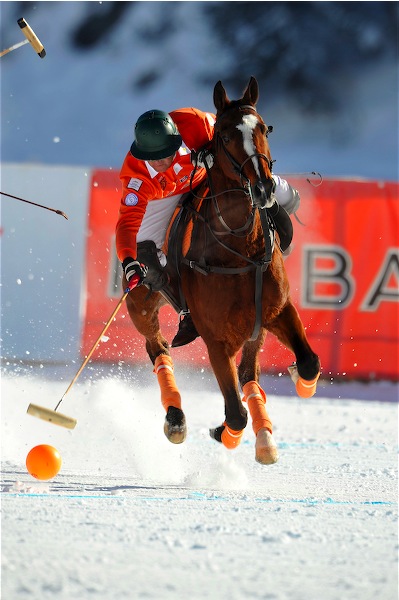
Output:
x=233 y=278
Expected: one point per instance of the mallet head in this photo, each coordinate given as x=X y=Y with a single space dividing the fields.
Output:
x=31 y=37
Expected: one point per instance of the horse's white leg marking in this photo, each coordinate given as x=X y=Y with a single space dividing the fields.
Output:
x=247 y=127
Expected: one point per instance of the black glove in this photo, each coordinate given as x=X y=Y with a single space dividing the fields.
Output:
x=203 y=158
x=132 y=267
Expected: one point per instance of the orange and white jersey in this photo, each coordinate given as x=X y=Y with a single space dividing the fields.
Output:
x=143 y=185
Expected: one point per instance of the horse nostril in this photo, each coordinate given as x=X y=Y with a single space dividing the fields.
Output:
x=263 y=189
x=259 y=189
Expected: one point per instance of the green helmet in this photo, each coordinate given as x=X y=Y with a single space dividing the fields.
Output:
x=156 y=136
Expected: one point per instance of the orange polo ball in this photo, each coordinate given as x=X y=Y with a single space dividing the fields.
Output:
x=43 y=462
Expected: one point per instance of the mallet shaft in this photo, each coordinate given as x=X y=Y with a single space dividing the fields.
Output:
x=88 y=357
x=59 y=212
x=14 y=47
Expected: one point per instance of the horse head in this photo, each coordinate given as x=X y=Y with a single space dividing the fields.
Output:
x=240 y=142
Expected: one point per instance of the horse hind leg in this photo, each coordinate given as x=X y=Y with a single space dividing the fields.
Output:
x=305 y=372
x=265 y=446
x=175 y=427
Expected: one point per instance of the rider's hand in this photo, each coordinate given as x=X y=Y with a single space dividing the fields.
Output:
x=202 y=159
x=132 y=267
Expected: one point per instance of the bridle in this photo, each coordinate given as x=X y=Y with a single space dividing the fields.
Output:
x=237 y=167
x=268 y=229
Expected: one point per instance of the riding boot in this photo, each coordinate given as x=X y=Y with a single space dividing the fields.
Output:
x=156 y=277
x=283 y=225
x=186 y=333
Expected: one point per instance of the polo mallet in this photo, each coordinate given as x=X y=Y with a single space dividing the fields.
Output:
x=31 y=38
x=52 y=415
x=59 y=212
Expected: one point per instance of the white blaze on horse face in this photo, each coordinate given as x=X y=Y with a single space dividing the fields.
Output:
x=247 y=127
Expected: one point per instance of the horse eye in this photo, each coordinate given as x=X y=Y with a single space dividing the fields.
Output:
x=225 y=139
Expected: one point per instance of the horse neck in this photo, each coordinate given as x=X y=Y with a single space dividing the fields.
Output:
x=228 y=198
x=232 y=208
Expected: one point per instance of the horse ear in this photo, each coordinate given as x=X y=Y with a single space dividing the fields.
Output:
x=251 y=94
x=220 y=98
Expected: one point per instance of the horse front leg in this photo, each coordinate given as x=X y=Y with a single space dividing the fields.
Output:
x=248 y=372
x=143 y=310
x=224 y=367
x=288 y=328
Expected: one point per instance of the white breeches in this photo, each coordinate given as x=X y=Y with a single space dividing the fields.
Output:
x=155 y=222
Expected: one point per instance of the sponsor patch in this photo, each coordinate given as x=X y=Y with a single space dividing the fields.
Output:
x=177 y=168
x=134 y=184
x=131 y=200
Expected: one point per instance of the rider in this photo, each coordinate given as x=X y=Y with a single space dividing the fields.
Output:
x=156 y=172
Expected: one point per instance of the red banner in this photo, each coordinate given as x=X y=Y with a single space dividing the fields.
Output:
x=343 y=271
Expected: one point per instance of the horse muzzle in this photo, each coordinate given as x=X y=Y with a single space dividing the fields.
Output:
x=261 y=193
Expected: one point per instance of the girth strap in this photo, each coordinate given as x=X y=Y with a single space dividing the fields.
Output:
x=260 y=269
x=206 y=269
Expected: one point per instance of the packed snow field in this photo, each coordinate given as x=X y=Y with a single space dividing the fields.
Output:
x=132 y=516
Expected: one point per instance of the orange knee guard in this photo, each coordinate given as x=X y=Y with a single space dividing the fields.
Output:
x=255 y=397
x=170 y=395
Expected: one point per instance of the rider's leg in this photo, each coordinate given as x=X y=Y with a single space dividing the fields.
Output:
x=288 y=201
x=147 y=253
x=157 y=280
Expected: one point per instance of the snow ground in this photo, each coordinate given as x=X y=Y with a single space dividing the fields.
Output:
x=132 y=516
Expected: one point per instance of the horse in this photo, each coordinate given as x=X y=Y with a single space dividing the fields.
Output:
x=232 y=276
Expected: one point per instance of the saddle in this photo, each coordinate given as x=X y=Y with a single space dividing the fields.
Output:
x=178 y=241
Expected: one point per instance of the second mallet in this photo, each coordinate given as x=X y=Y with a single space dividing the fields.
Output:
x=31 y=38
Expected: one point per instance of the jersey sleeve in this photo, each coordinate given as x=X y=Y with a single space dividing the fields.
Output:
x=136 y=193
x=195 y=126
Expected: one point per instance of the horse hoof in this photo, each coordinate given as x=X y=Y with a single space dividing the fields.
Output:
x=304 y=388
x=216 y=434
x=175 y=425
x=265 y=448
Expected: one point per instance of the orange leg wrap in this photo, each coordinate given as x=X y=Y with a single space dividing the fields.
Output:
x=170 y=395
x=255 y=397
x=231 y=438
x=306 y=389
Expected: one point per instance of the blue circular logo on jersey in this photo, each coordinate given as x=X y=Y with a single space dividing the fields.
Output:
x=131 y=200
